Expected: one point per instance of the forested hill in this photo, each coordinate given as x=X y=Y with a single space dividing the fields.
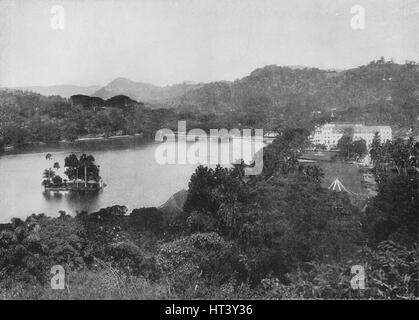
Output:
x=379 y=92
x=141 y=91
x=270 y=97
x=65 y=90
x=119 y=101
x=277 y=87
x=27 y=117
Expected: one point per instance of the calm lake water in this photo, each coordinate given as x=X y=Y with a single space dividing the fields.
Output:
x=128 y=167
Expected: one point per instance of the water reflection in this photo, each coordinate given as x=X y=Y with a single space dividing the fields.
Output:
x=81 y=200
x=50 y=195
x=132 y=175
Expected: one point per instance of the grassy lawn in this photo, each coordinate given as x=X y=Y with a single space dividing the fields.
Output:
x=347 y=173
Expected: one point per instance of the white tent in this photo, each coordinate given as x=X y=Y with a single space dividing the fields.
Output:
x=337 y=186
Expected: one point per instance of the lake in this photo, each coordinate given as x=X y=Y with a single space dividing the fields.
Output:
x=128 y=167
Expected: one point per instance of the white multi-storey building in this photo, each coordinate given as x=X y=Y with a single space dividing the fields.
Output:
x=330 y=133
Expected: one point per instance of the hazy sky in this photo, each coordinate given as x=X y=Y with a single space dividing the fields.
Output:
x=170 y=41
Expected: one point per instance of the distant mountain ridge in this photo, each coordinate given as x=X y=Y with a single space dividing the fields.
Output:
x=275 y=87
x=141 y=91
x=64 y=91
x=120 y=101
x=367 y=93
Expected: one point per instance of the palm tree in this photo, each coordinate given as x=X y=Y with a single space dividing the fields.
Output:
x=72 y=164
x=86 y=161
x=48 y=174
x=76 y=167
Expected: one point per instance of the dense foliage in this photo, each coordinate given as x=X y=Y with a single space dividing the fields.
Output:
x=276 y=235
x=27 y=117
x=381 y=92
x=393 y=213
x=351 y=150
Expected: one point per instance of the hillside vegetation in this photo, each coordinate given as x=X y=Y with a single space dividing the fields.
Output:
x=273 y=236
x=141 y=91
x=272 y=97
x=27 y=117
x=381 y=91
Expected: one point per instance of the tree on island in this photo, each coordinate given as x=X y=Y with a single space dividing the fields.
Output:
x=56 y=166
x=48 y=175
x=57 y=181
x=81 y=168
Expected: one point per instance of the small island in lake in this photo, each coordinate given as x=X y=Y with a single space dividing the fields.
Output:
x=82 y=173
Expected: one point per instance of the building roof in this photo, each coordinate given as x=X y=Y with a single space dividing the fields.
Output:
x=357 y=128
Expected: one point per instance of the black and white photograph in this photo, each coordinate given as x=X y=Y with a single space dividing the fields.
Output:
x=211 y=150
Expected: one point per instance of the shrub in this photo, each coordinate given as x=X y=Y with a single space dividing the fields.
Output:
x=393 y=213
x=146 y=220
x=22 y=256
x=199 y=258
x=391 y=272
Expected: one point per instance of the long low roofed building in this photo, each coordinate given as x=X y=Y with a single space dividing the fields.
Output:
x=330 y=133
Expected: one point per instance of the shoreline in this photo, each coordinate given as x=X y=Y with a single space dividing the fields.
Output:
x=92 y=142
x=84 y=142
